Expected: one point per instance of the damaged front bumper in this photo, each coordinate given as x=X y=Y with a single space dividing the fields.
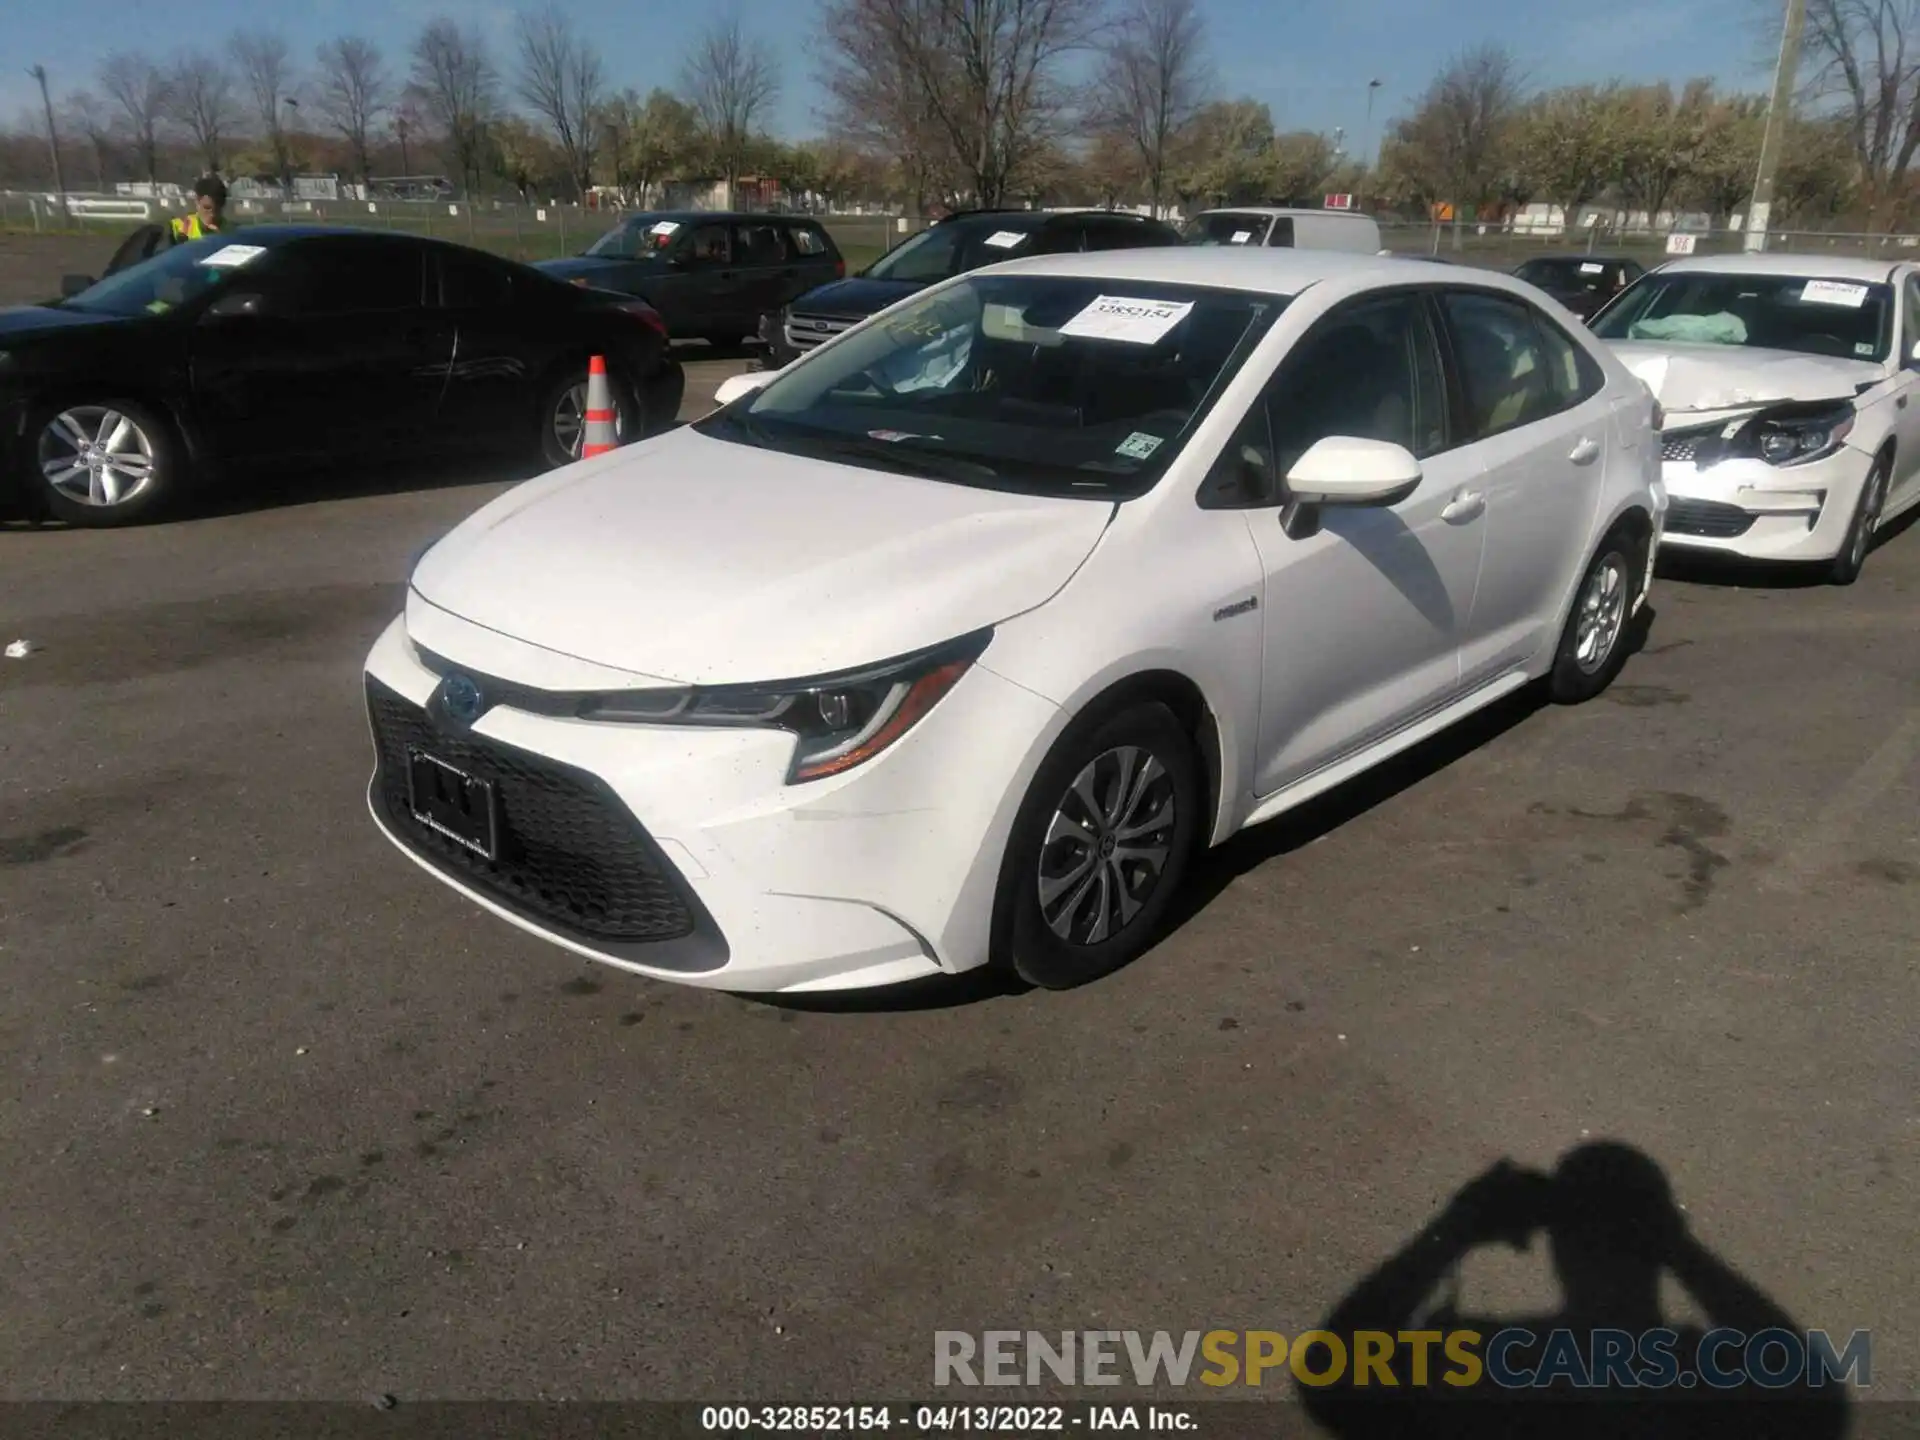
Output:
x=1750 y=508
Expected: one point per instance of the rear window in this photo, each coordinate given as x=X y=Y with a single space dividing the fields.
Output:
x=1223 y=227
x=808 y=241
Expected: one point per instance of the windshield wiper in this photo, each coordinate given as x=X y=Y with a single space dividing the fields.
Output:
x=893 y=455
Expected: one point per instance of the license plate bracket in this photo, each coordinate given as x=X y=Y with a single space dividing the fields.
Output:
x=450 y=802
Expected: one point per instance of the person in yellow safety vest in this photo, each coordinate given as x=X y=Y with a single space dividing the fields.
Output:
x=209 y=215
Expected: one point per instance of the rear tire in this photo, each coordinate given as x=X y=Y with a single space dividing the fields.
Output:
x=563 y=409
x=1099 y=847
x=101 y=462
x=1593 y=644
x=1846 y=566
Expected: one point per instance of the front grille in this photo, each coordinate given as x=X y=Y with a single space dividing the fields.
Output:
x=571 y=856
x=1712 y=519
x=806 y=331
x=1679 y=447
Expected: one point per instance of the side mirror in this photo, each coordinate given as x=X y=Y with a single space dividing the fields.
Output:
x=72 y=285
x=737 y=386
x=1913 y=355
x=229 y=307
x=1346 y=470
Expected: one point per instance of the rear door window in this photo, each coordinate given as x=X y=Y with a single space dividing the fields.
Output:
x=1503 y=361
x=346 y=276
x=472 y=282
x=1282 y=232
x=758 y=245
x=808 y=242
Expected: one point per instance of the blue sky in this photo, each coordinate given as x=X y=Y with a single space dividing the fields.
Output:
x=1308 y=59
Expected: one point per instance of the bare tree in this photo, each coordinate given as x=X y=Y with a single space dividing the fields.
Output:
x=732 y=82
x=1454 y=145
x=1862 y=53
x=879 y=106
x=139 y=89
x=562 y=79
x=266 y=68
x=85 y=115
x=351 y=94
x=457 y=87
x=989 y=72
x=1152 y=81
x=201 y=96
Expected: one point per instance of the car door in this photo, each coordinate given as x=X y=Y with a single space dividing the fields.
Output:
x=1906 y=422
x=705 y=296
x=760 y=259
x=498 y=356
x=341 y=353
x=1536 y=416
x=1363 y=617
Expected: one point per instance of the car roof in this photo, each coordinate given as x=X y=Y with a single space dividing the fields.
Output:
x=1568 y=257
x=689 y=216
x=1294 y=210
x=1034 y=219
x=1264 y=271
x=1829 y=267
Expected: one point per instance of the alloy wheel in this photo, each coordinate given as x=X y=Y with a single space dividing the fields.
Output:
x=1107 y=845
x=1602 y=612
x=94 y=455
x=570 y=420
x=1870 y=504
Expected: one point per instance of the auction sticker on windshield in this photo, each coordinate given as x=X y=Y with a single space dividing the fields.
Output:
x=664 y=227
x=1591 y=269
x=1138 y=446
x=234 y=254
x=1004 y=239
x=1832 y=292
x=1240 y=237
x=1138 y=322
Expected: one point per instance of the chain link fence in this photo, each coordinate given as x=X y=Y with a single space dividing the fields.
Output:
x=536 y=232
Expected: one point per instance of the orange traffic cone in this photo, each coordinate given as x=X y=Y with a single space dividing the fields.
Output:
x=600 y=437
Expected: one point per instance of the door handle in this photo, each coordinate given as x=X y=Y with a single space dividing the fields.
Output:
x=1901 y=403
x=1465 y=506
x=1586 y=452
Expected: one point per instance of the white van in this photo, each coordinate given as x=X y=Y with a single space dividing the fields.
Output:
x=1290 y=229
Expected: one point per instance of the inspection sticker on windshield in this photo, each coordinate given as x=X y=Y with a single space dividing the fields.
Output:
x=234 y=254
x=1591 y=269
x=1138 y=446
x=1832 y=292
x=1138 y=322
x=664 y=227
x=1005 y=239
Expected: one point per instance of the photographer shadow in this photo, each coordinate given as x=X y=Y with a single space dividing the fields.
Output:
x=1612 y=1230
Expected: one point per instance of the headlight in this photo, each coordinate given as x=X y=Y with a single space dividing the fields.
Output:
x=1793 y=439
x=838 y=721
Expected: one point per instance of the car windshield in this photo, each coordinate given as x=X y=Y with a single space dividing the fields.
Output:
x=1222 y=227
x=1044 y=384
x=1852 y=319
x=1573 y=273
x=942 y=251
x=640 y=238
x=168 y=280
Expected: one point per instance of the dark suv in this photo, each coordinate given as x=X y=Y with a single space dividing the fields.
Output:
x=948 y=247
x=711 y=275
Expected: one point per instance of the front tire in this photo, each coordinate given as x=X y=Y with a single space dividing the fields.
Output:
x=103 y=462
x=1852 y=558
x=1099 y=847
x=1592 y=646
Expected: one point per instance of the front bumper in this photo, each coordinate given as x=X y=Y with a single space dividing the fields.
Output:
x=883 y=875
x=1759 y=511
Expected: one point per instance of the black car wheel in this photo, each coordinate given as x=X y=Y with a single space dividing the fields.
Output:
x=1099 y=847
x=102 y=462
x=563 y=417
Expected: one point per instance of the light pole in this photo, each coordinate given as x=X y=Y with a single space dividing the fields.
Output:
x=286 y=144
x=400 y=129
x=1366 y=146
x=1760 y=208
x=39 y=72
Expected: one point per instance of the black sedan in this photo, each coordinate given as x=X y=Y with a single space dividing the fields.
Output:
x=1582 y=283
x=226 y=356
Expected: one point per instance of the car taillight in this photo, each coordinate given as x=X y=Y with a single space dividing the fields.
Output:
x=1659 y=418
x=839 y=269
x=647 y=316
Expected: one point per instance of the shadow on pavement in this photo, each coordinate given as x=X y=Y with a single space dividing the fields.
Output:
x=1612 y=1232
x=936 y=992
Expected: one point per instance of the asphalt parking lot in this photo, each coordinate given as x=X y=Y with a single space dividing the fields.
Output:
x=287 y=1119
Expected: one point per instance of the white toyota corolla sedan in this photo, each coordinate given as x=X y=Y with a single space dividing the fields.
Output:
x=952 y=642
x=1787 y=383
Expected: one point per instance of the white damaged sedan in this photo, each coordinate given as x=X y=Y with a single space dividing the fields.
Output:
x=1787 y=383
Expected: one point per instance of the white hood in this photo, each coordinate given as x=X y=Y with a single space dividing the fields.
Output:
x=1687 y=378
x=699 y=561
